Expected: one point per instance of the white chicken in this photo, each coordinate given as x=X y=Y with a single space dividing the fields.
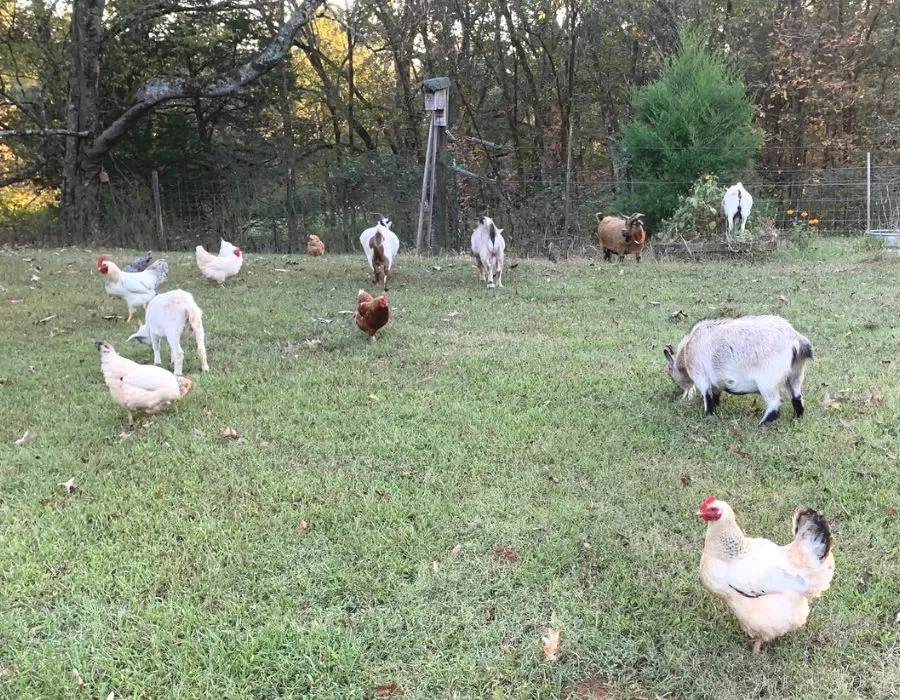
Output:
x=222 y=266
x=768 y=587
x=137 y=387
x=136 y=288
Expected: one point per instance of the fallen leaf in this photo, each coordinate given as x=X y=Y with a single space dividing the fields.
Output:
x=550 y=643
x=655 y=303
x=873 y=400
x=699 y=440
x=44 y=320
x=69 y=485
x=435 y=268
x=229 y=433
x=21 y=440
x=111 y=696
x=739 y=452
x=53 y=502
x=75 y=677
x=312 y=343
x=833 y=402
x=115 y=515
x=391 y=690
x=456 y=549
x=158 y=493
x=373 y=397
x=782 y=299
x=303 y=525
x=111 y=318
x=677 y=315
x=35 y=278
x=435 y=566
x=686 y=480
x=507 y=555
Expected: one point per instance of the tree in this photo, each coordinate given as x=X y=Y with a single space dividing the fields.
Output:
x=695 y=119
x=87 y=142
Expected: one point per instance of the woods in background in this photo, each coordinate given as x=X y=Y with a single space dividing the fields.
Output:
x=95 y=96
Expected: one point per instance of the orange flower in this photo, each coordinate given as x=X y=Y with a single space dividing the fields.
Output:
x=803 y=214
x=790 y=212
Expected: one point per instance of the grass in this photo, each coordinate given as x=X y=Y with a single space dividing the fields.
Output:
x=311 y=557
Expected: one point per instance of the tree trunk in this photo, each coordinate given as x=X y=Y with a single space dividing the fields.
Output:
x=80 y=203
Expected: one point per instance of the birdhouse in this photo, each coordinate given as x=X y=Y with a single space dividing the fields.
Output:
x=437 y=98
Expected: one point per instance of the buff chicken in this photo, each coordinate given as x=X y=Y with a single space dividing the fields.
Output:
x=768 y=588
x=137 y=387
x=222 y=266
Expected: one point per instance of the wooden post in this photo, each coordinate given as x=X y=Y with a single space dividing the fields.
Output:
x=439 y=184
x=424 y=186
x=157 y=206
x=434 y=148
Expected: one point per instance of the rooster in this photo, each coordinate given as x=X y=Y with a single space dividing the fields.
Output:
x=768 y=588
x=137 y=387
x=136 y=288
x=222 y=266
x=372 y=313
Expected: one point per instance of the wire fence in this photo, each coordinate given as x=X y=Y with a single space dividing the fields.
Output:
x=337 y=203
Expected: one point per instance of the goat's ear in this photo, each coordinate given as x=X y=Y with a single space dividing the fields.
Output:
x=480 y=220
x=668 y=354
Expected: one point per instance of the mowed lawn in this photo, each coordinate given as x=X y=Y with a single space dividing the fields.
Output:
x=412 y=515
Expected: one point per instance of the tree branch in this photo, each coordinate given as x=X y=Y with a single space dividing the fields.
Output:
x=29 y=172
x=42 y=132
x=159 y=90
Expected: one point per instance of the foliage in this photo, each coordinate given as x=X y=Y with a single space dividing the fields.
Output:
x=699 y=213
x=695 y=119
x=316 y=555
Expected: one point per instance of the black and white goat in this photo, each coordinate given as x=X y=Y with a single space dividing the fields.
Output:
x=489 y=248
x=747 y=355
x=736 y=206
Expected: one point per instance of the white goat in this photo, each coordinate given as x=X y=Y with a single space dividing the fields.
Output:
x=381 y=246
x=488 y=247
x=736 y=205
x=173 y=316
x=747 y=355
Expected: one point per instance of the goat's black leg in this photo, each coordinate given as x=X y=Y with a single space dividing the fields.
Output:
x=607 y=254
x=797 y=403
x=770 y=417
x=710 y=401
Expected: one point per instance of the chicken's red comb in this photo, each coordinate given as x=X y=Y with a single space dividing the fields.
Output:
x=707 y=503
x=101 y=260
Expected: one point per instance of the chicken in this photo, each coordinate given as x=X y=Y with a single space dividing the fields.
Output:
x=314 y=245
x=768 y=588
x=139 y=264
x=136 y=288
x=222 y=266
x=138 y=387
x=372 y=313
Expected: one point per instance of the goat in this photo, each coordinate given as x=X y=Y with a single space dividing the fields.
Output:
x=746 y=355
x=736 y=205
x=621 y=235
x=489 y=248
x=380 y=246
x=173 y=316
x=314 y=245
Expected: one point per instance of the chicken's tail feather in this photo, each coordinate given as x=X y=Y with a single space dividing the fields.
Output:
x=812 y=529
x=161 y=269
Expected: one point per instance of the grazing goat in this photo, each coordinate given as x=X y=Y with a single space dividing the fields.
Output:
x=173 y=316
x=736 y=205
x=381 y=246
x=621 y=235
x=489 y=248
x=314 y=245
x=746 y=355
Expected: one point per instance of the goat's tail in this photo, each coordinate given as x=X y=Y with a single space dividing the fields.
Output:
x=194 y=315
x=803 y=350
x=493 y=234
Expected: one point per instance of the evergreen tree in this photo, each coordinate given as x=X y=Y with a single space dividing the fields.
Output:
x=695 y=119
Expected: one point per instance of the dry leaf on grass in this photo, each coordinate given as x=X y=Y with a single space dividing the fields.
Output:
x=69 y=485
x=739 y=452
x=834 y=402
x=457 y=548
x=303 y=525
x=21 y=440
x=75 y=677
x=550 y=643
x=873 y=400
x=44 y=320
x=230 y=433
x=391 y=690
x=507 y=555
x=373 y=397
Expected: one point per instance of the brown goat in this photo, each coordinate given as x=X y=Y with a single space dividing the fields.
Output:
x=621 y=235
